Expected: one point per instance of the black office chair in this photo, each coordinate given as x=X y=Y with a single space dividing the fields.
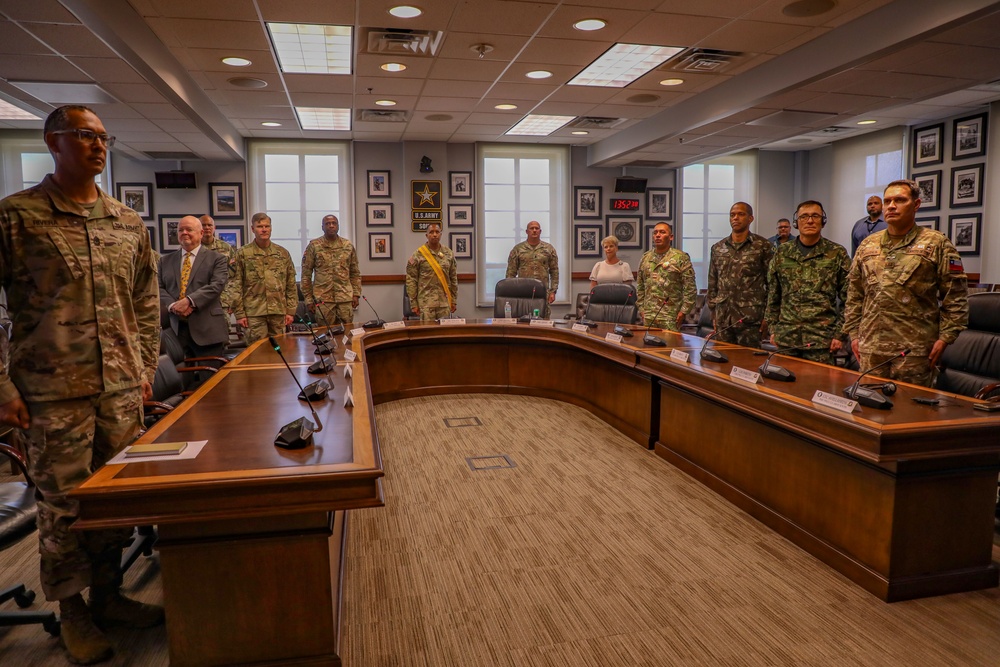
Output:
x=18 y=511
x=525 y=295
x=705 y=326
x=971 y=365
x=171 y=345
x=613 y=302
x=408 y=313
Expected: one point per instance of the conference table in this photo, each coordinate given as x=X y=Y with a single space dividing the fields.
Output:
x=251 y=536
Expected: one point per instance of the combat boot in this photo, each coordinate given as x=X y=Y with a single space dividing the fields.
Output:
x=111 y=608
x=84 y=643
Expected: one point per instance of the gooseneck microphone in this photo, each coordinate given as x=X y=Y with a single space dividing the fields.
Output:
x=650 y=339
x=527 y=317
x=869 y=397
x=330 y=329
x=298 y=433
x=711 y=354
x=377 y=322
x=773 y=372
x=322 y=341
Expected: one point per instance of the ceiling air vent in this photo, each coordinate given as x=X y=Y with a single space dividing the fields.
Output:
x=705 y=60
x=396 y=41
x=382 y=116
x=596 y=122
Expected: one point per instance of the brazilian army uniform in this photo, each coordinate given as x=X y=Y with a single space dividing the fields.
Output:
x=423 y=287
x=535 y=261
x=665 y=280
x=338 y=278
x=229 y=252
x=82 y=289
x=263 y=289
x=806 y=291
x=893 y=294
x=737 y=287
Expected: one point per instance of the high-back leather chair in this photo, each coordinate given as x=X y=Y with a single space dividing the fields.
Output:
x=972 y=363
x=524 y=294
x=613 y=302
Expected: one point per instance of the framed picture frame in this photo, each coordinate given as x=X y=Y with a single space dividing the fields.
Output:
x=460 y=215
x=587 y=202
x=234 y=235
x=138 y=197
x=225 y=201
x=378 y=184
x=587 y=240
x=659 y=203
x=378 y=214
x=460 y=244
x=460 y=184
x=927 y=145
x=628 y=229
x=154 y=236
x=168 y=231
x=930 y=222
x=649 y=238
x=930 y=189
x=967 y=186
x=964 y=231
x=379 y=245
x=968 y=137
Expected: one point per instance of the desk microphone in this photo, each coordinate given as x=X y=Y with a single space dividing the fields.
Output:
x=869 y=397
x=322 y=341
x=527 y=316
x=711 y=354
x=377 y=322
x=299 y=433
x=779 y=372
x=330 y=330
x=621 y=330
x=648 y=338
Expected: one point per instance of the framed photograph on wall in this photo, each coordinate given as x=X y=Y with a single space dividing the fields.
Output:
x=460 y=184
x=154 y=236
x=930 y=189
x=231 y=234
x=225 y=201
x=460 y=215
x=967 y=186
x=930 y=222
x=460 y=244
x=628 y=229
x=588 y=240
x=964 y=230
x=378 y=215
x=660 y=203
x=927 y=145
x=379 y=245
x=587 y=202
x=168 y=232
x=138 y=197
x=969 y=137
x=378 y=183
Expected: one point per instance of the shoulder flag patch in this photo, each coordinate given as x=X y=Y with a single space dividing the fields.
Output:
x=955 y=265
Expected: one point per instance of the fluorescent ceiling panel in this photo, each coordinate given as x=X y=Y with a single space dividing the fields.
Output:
x=65 y=93
x=622 y=64
x=10 y=112
x=323 y=118
x=311 y=48
x=537 y=125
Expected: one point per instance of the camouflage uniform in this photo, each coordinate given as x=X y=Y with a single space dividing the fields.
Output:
x=806 y=291
x=535 y=261
x=424 y=288
x=229 y=252
x=737 y=287
x=82 y=287
x=668 y=277
x=263 y=289
x=338 y=278
x=893 y=293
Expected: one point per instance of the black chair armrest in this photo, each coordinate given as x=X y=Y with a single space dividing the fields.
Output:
x=18 y=459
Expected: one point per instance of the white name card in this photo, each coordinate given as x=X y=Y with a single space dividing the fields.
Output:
x=398 y=324
x=743 y=374
x=504 y=320
x=345 y=340
x=581 y=327
x=360 y=331
x=613 y=338
x=350 y=355
x=841 y=403
x=682 y=357
x=452 y=321
x=347 y=371
x=348 y=398
x=543 y=323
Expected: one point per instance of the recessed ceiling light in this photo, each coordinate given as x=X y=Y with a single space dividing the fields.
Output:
x=393 y=67
x=624 y=63
x=405 y=12
x=323 y=118
x=579 y=133
x=247 y=82
x=590 y=24
x=538 y=74
x=505 y=107
x=385 y=103
x=236 y=62
x=270 y=123
x=312 y=48
x=671 y=82
x=867 y=122
x=537 y=125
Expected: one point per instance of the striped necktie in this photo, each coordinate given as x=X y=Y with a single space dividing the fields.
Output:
x=185 y=273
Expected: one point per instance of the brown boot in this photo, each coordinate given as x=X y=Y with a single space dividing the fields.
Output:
x=113 y=608
x=84 y=643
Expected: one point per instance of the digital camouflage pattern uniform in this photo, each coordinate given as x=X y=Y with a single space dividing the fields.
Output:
x=424 y=288
x=535 y=261
x=229 y=252
x=668 y=277
x=338 y=278
x=263 y=289
x=806 y=291
x=82 y=289
x=893 y=294
x=737 y=287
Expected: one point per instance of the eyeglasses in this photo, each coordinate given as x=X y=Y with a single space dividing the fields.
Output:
x=810 y=216
x=89 y=136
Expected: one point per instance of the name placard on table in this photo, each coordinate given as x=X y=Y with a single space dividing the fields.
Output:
x=350 y=355
x=543 y=323
x=504 y=320
x=581 y=327
x=451 y=321
x=744 y=375
x=833 y=401
x=360 y=331
x=398 y=324
x=613 y=338
x=682 y=357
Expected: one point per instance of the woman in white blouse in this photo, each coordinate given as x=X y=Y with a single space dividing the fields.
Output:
x=612 y=269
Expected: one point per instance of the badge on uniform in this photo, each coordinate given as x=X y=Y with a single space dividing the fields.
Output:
x=955 y=265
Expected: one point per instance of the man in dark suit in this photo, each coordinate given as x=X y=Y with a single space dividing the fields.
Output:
x=191 y=281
